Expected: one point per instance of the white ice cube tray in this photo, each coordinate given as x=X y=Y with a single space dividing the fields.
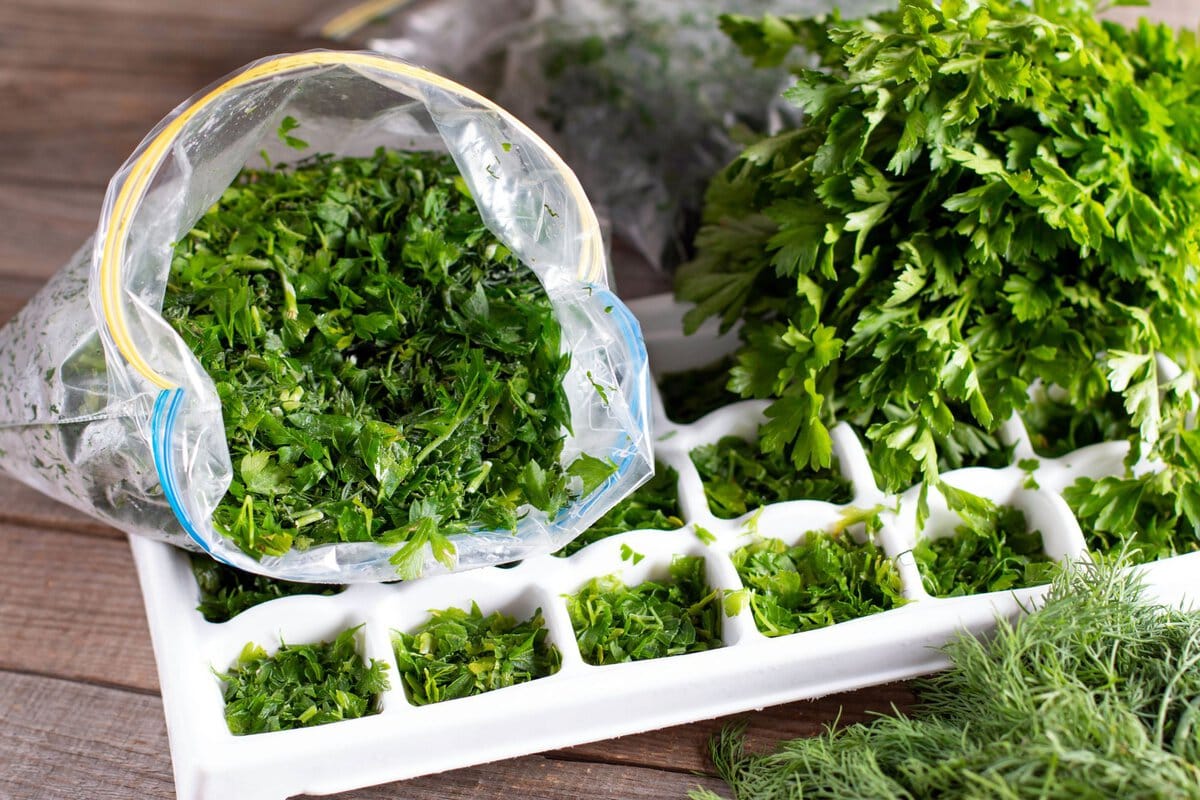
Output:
x=581 y=702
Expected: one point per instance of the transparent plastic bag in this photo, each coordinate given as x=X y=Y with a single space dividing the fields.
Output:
x=641 y=97
x=103 y=407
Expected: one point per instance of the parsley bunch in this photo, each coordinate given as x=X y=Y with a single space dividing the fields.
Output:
x=614 y=622
x=226 y=591
x=388 y=371
x=823 y=580
x=300 y=686
x=990 y=555
x=981 y=195
x=737 y=478
x=460 y=653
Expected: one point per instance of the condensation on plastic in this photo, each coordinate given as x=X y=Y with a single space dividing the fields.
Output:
x=640 y=96
x=104 y=407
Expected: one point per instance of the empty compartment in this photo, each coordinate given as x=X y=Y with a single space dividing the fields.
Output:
x=738 y=477
x=302 y=685
x=463 y=652
x=825 y=577
x=671 y=610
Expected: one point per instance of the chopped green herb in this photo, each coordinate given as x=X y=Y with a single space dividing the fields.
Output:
x=459 y=653
x=738 y=477
x=1094 y=695
x=704 y=534
x=226 y=592
x=989 y=555
x=615 y=623
x=825 y=579
x=288 y=125
x=388 y=371
x=301 y=686
x=688 y=396
x=629 y=554
x=653 y=506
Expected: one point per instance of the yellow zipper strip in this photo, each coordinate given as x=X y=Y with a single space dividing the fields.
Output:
x=591 y=268
x=355 y=17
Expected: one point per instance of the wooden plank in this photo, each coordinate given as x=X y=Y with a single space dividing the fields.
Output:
x=77 y=128
x=685 y=747
x=41 y=226
x=70 y=607
x=65 y=740
x=139 y=43
x=23 y=506
x=539 y=778
x=267 y=15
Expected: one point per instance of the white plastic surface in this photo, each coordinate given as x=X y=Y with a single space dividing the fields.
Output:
x=581 y=702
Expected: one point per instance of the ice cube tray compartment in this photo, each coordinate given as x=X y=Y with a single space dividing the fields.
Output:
x=582 y=702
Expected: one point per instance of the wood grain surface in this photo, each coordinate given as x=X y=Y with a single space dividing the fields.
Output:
x=80 y=717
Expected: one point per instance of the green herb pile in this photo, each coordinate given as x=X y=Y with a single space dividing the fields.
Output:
x=688 y=396
x=615 y=623
x=388 y=370
x=823 y=580
x=461 y=653
x=300 y=686
x=1093 y=695
x=226 y=592
x=654 y=507
x=738 y=477
x=991 y=554
x=981 y=195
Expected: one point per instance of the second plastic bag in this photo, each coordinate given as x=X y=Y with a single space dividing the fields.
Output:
x=104 y=407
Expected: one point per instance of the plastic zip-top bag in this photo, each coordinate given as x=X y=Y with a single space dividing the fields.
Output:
x=644 y=98
x=104 y=407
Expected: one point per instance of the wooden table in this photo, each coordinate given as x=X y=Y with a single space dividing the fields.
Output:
x=81 y=81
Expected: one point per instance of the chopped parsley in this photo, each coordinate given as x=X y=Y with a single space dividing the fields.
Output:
x=388 y=371
x=460 y=653
x=738 y=478
x=823 y=580
x=991 y=553
x=614 y=622
x=226 y=591
x=301 y=686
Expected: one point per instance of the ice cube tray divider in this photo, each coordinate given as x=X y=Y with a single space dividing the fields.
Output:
x=582 y=702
